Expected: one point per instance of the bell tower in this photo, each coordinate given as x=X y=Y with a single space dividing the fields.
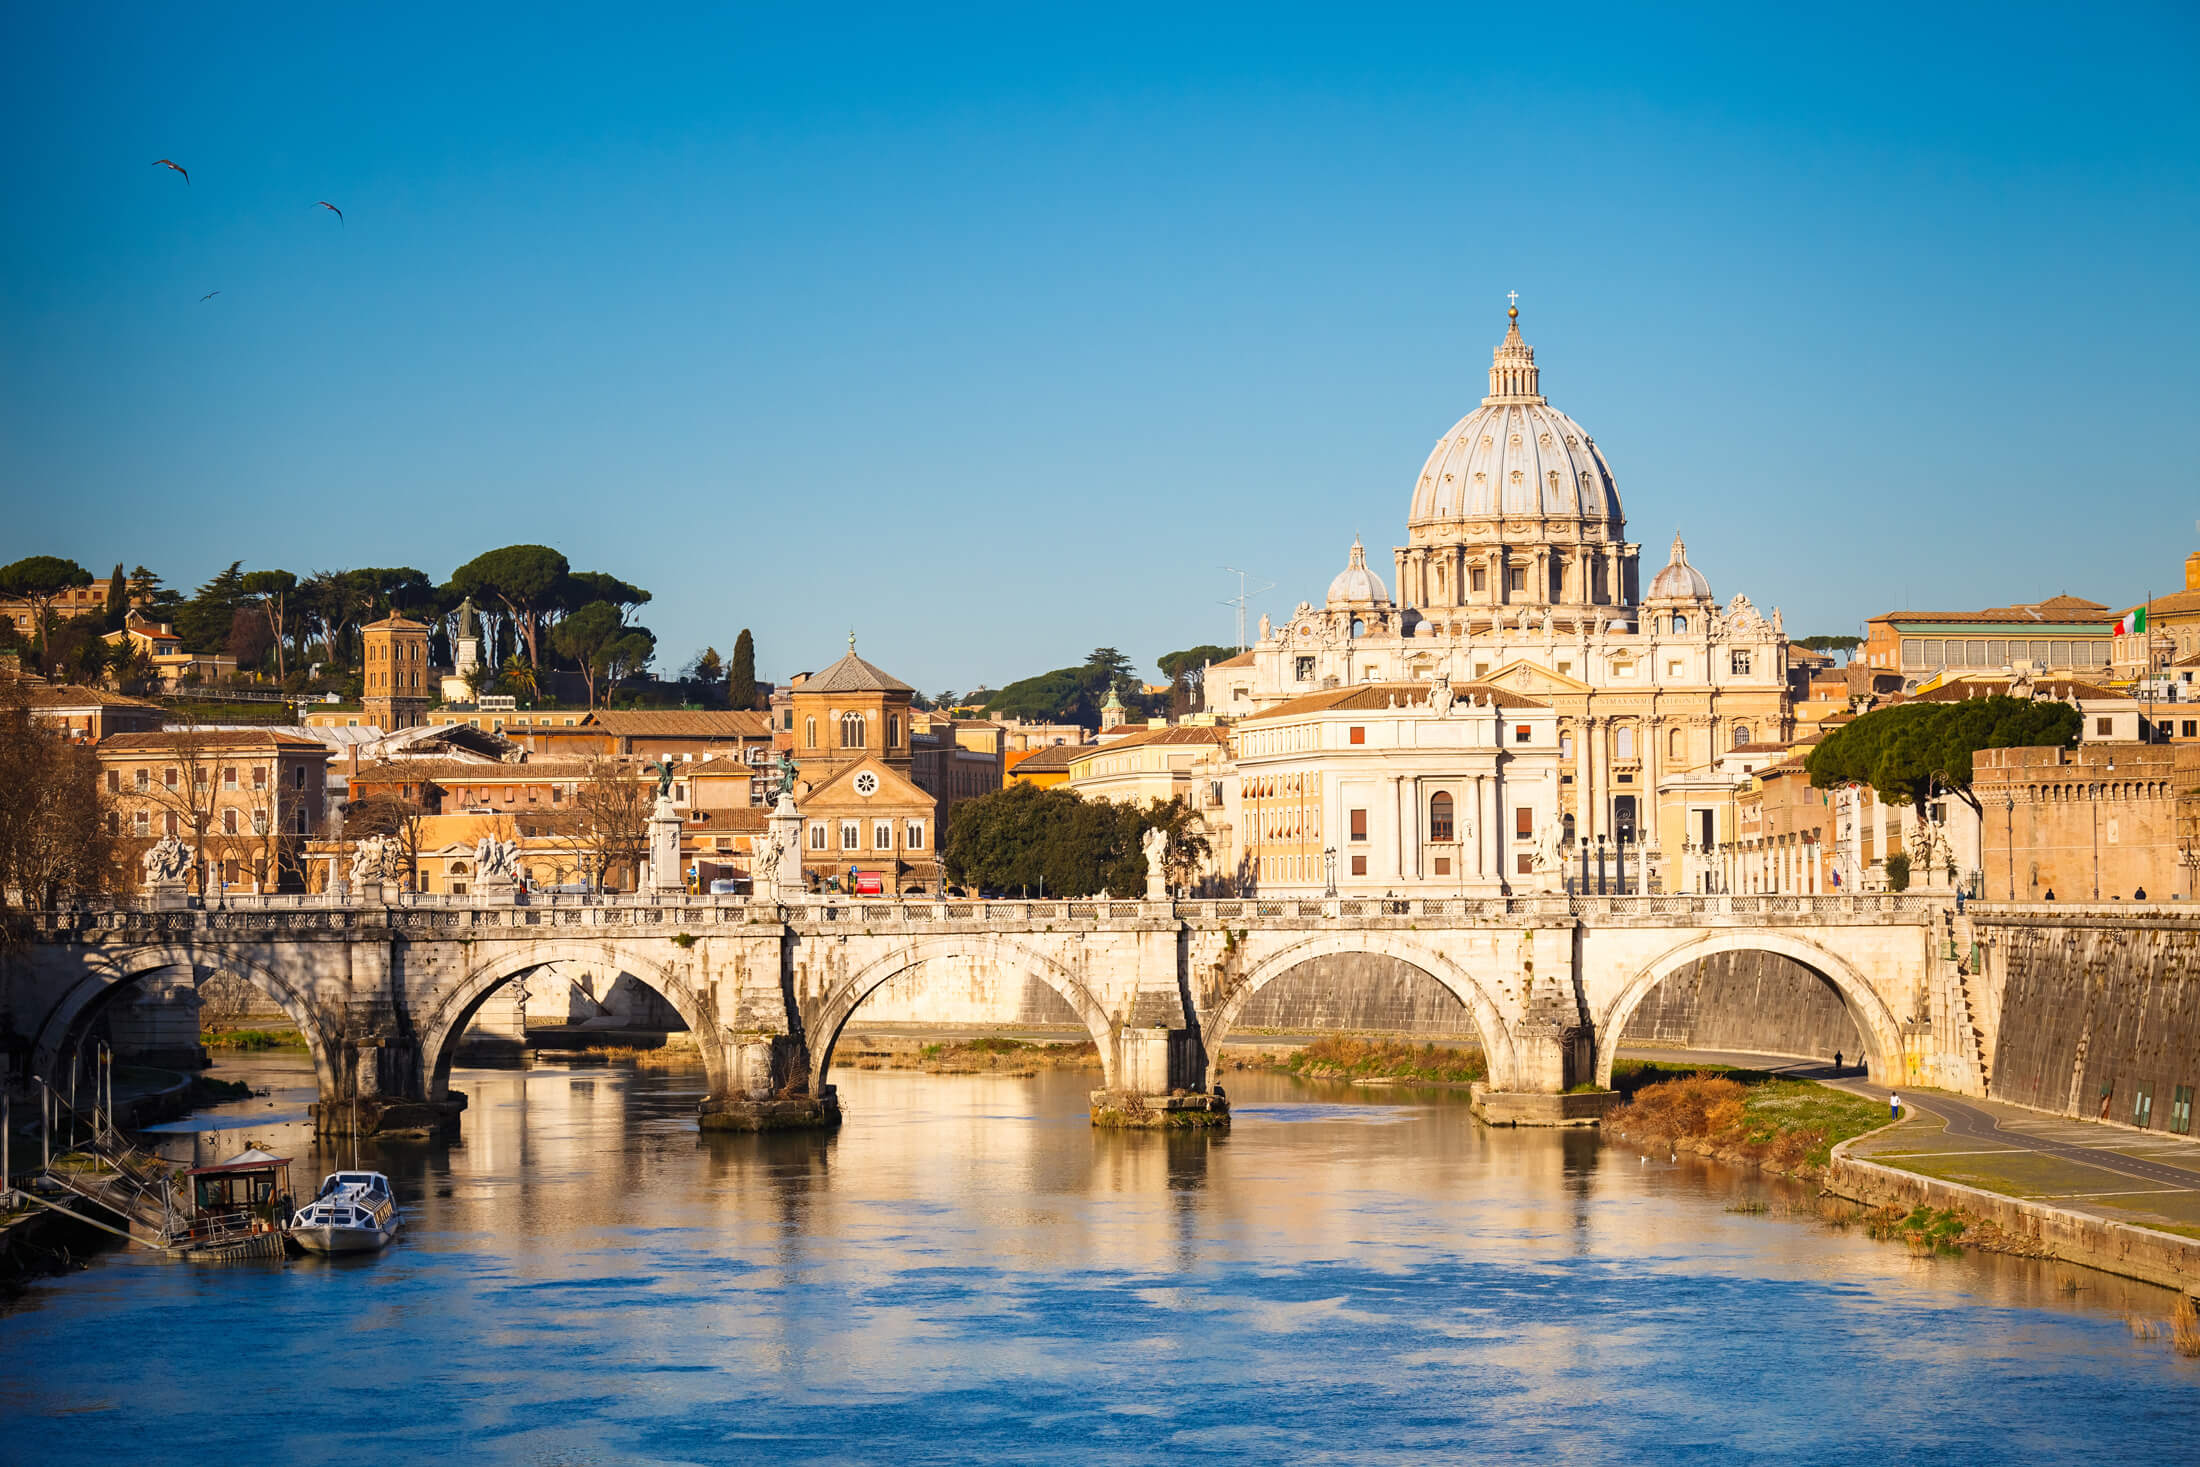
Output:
x=395 y=685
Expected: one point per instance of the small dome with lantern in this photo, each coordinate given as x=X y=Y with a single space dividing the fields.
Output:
x=1679 y=581
x=1356 y=586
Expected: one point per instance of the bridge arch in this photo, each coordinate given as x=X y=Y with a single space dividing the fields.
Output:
x=846 y=995
x=61 y=1027
x=456 y=1004
x=1489 y=1020
x=1875 y=1021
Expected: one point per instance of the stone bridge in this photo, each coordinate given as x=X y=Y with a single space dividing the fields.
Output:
x=382 y=993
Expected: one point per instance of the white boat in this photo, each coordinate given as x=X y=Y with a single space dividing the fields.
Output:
x=356 y=1212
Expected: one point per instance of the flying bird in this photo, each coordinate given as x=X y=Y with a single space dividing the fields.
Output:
x=168 y=163
x=209 y=295
x=333 y=210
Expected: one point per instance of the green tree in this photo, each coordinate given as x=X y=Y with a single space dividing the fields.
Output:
x=582 y=587
x=1066 y=695
x=1898 y=872
x=704 y=671
x=1902 y=752
x=40 y=580
x=1842 y=645
x=741 y=676
x=1187 y=674
x=272 y=590
x=586 y=636
x=118 y=601
x=204 y=621
x=1026 y=838
x=526 y=580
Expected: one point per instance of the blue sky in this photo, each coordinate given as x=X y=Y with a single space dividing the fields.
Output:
x=996 y=333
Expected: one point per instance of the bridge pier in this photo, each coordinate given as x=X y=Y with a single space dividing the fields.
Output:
x=767 y=1088
x=1160 y=1084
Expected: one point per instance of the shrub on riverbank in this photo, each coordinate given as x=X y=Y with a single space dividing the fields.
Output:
x=253 y=1039
x=995 y=1054
x=1340 y=1057
x=1788 y=1126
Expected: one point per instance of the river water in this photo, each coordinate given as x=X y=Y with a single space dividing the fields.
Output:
x=968 y=1272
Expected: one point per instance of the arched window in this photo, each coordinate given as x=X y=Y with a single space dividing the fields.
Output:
x=1680 y=623
x=1359 y=627
x=809 y=733
x=1674 y=744
x=851 y=730
x=1439 y=816
x=1623 y=741
x=1741 y=734
x=893 y=730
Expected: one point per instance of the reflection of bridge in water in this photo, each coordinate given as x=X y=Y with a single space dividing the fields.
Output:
x=382 y=993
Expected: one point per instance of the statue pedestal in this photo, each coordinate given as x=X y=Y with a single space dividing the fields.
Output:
x=368 y=893
x=497 y=891
x=664 y=849
x=1157 y=887
x=167 y=896
x=786 y=829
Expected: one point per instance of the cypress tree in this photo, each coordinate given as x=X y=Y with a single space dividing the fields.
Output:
x=741 y=682
x=118 y=599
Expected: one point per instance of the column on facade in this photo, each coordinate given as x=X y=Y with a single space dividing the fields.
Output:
x=1584 y=792
x=1602 y=775
x=1646 y=819
x=1541 y=590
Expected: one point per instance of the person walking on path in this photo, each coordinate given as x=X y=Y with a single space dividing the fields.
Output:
x=1894 y=1106
x=1837 y=1062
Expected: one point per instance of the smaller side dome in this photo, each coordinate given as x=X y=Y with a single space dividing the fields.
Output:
x=1356 y=585
x=1679 y=581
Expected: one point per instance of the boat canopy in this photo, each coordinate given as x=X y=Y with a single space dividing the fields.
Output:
x=255 y=1159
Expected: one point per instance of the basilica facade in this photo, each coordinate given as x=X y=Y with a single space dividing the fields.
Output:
x=1517 y=580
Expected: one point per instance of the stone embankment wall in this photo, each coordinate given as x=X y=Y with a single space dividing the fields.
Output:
x=955 y=993
x=2095 y=1014
x=2073 y=1237
x=1358 y=993
x=1756 y=1002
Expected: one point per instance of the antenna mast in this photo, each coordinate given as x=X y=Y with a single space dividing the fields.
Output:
x=1245 y=594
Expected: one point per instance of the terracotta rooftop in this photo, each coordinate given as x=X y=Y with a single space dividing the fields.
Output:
x=211 y=739
x=1174 y=734
x=1243 y=659
x=1378 y=697
x=692 y=723
x=853 y=675
x=1055 y=756
x=2053 y=609
x=464 y=771
x=38 y=693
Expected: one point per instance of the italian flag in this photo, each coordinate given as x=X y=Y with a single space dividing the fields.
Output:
x=2133 y=623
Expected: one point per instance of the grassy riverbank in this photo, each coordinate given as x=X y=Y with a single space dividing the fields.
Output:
x=1369 y=1060
x=1741 y=1116
x=251 y=1041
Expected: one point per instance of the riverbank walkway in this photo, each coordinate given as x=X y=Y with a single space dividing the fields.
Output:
x=2150 y=1179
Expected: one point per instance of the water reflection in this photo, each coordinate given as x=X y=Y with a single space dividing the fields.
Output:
x=968 y=1271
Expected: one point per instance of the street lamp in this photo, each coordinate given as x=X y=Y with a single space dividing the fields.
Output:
x=2009 y=809
x=1329 y=871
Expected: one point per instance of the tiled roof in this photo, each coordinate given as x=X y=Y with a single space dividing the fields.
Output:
x=1243 y=659
x=1054 y=756
x=2053 y=609
x=1174 y=734
x=692 y=723
x=395 y=623
x=212 y=739
x=461 y=771
x=42 y=694
x=1756 y=748
x=853 y=675
x=727 y=822
x=1378 y=697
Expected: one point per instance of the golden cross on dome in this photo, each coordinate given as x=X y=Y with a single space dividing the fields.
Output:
x=1514 y=297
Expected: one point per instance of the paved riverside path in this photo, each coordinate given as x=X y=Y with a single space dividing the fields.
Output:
x=2150 y=1178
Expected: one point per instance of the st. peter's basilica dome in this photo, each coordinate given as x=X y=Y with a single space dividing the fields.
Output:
x=1516 y=455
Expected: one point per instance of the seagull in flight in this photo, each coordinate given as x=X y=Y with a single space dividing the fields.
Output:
x=333 y=210
x=170 y=163
x=208 y=296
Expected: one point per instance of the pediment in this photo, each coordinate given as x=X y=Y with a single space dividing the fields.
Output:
x=1533 y=680
x=839 y=794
